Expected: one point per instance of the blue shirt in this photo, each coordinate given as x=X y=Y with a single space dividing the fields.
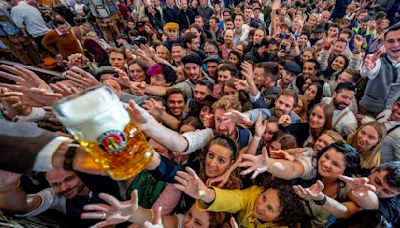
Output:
x=28 y=17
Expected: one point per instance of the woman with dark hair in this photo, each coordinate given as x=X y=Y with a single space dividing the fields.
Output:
x=234 y=58
x=330 y=163
x=129 y=211
x=137 y=70
x=336 y=67
x=313 y=95
x=199 y=32
x=274 y=205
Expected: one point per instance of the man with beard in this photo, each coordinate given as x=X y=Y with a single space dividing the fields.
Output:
x=227 y=127
x=283 y=109
x=289 y=75
x=67 y=194
x=343 y=120
x=310 y=69
x=228 y=44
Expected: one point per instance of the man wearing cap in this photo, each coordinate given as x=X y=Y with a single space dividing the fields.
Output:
x=171 y=12
x=172 y=33
x=211 y=63
x=318 y=34
x=122 y=41
x=289 y=75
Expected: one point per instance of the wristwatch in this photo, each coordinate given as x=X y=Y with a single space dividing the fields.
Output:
x=321 y=202
x=70 y=155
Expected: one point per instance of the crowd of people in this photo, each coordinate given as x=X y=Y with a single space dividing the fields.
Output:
x=259 y=113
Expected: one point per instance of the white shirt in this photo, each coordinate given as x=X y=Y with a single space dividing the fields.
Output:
x=198 y=139
x=49 y=200
x=347 y=123
x=373 y=73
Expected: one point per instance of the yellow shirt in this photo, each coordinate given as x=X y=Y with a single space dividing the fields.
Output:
x=238 y=201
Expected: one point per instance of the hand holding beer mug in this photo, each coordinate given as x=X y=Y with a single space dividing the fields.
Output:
x=100 y=123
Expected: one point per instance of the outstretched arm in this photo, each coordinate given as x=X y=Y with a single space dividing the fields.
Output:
x=339 y=210
x=280 y=168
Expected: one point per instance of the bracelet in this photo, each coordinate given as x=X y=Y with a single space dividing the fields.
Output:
x=321 y=202
x=15 y=187
x=257 y=138
x=70 y=155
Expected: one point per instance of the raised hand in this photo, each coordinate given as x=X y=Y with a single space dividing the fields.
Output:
x=221 y=180
x=358 y=41
x=190 y=183
x=77 y=60
x=138 y=115
x=233 y=116
x=312 y=193
x=138 y=88
x=24 y=79
x=276 y=5
x=123 y=78
x=156 y=221
x=247 y=72
x=242 y=85
x=63 y=89
x=208 y=120
x=285 y=120
x=359 y=186
x=114 y=212
x=33 y=97
x=370 y=60
x=257 y=163
x=260 y=126
x=154 y=107
x=83 y=78
x=145 y=53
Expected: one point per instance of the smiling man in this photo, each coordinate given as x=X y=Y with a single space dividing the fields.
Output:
x=343 y=120
x=67 y=194
x=383 y=85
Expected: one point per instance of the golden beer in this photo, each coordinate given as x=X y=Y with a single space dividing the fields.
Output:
x=100 y=123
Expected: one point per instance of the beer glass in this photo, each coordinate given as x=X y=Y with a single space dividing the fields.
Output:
x=99 y=122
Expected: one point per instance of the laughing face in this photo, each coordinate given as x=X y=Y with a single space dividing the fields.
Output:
x=392 y=44
x=331 y=164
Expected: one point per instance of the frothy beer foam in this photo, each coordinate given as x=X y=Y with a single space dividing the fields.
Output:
x=93 y=113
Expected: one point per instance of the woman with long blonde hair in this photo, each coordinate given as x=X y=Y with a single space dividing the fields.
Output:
x=368 y=140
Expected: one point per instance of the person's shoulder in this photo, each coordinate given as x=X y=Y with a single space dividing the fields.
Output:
x=51 y=32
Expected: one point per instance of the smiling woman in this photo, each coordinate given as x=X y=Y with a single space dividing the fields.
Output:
x=368 y=140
